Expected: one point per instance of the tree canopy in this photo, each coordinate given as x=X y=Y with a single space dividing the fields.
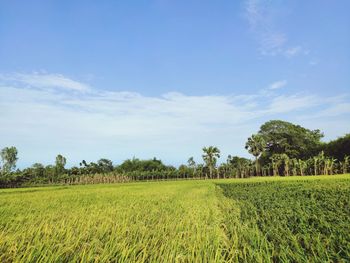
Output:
x=9 y=158
x=338 y=148
x=135 y=164
x=291 y=139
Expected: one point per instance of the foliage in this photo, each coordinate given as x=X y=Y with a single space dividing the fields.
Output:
x=256 y=146
x=339 y=148
x=105 y=165
x=210 y=156
x=134 y=164
x=279 y=148
x=9 y=158
x=289 y=221
x=293 y=140
x=60 y=163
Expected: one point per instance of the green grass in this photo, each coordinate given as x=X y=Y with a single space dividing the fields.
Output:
x=254 y=220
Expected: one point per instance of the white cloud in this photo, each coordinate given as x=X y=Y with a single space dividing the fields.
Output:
x=270 y=39
x=334 y=110
x=278 y=84
x=42 y=80
x=261 y=16
x=294 y=51
x=292 y=103
x=291 y=52
x=118 y=125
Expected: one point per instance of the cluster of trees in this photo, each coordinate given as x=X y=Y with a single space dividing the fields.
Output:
x=279 y=148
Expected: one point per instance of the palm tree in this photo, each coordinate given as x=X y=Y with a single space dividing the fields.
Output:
x=315 y=159
x=294 y=166
x=285 y=160
x=331 y=163
x=322 y=163
x=210 y=156
x=199 y=170
x=276 y=161
x=302 y=166
x=256 y=146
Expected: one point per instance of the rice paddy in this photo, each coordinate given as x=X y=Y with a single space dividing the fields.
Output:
x=292 y=219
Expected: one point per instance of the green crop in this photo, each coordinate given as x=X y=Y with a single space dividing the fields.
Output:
x=290 y=220
x=264 y=219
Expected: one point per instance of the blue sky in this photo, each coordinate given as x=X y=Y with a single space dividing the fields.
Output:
x=117 y=79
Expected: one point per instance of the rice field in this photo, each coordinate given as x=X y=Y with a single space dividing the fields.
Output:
x=295 y=219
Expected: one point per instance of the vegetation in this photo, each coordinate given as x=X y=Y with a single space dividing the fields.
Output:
x=256 y=146
x=210 y=156
x=280 y=215
x=279 y=148
x=9 y=159
x=288 y=138
x=339 y=148
x=291 y=219
x=154 y=222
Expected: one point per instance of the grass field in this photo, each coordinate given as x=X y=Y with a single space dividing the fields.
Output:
x=294 y=219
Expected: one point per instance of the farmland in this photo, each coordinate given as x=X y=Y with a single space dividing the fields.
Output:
x=260 y=219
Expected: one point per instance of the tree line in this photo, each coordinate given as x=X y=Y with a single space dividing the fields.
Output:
x=279 y=148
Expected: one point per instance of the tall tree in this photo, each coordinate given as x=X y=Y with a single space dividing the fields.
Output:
x=293 y=140
x=192 y=164
x=105 y=165
x=210 y=156
x=256 y=146
x=239 y=165
x=9 y=158
x=38 y=170
x=60 y=164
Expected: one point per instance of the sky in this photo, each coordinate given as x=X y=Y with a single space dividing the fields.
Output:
x=164 y=78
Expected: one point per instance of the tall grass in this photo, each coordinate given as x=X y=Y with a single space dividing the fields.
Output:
x=181 y=221
x=137 y=222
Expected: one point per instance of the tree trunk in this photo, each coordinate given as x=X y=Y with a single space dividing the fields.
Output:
x=257 y=166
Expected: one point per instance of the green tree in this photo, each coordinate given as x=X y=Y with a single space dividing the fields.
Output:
x=275 y=164
x=339 y=148
x=50 y=172
x=302 y=165
x=345 y=164
x=293 y=140
x=60 y=164
x=9 y=158
x=239 y=165
x=192 y=165
x=38 y=170
x=280 y=162
x=105 y=165
x=210 y=156
x=256 y=146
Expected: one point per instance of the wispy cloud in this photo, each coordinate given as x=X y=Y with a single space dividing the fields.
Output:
x=278 y=84
x=334 y=110
x=292 y=103
x=295 y=51
x=261 y=16
x=121 y=124
x=42 y=80
x=314 y=62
